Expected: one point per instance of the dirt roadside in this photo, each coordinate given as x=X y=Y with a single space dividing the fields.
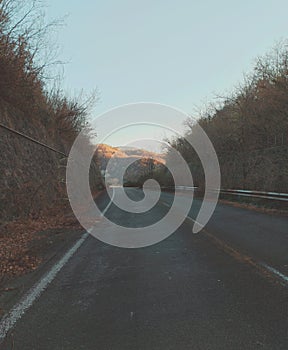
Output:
x=28 y=248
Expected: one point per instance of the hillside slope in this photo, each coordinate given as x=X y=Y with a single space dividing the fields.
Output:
x=119 y=158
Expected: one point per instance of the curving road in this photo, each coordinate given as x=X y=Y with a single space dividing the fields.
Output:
x=186 y=292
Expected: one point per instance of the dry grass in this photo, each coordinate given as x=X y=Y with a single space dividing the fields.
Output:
x=16 y=238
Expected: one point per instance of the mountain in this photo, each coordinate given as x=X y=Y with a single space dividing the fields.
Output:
x=144 y=162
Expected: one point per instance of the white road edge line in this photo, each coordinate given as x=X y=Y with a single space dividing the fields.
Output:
x=187 y=217
x=166 y=204
x=275 y=272
x=9 y=320
x=109 y=204
x=271 y=269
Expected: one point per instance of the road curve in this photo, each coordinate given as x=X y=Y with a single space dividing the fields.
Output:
x=182 y=293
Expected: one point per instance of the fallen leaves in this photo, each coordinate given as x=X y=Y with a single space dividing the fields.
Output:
x=16 y=239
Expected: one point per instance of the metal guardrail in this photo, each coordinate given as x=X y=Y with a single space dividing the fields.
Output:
x=257 y=194
x=185 y=188
x=246 y=193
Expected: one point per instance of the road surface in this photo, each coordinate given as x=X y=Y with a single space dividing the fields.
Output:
x=185 y=292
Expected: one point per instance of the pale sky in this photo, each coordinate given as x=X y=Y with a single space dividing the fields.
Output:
x=174 y=52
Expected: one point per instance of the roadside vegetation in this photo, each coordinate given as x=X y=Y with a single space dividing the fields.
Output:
x=32 y=102
x=27 y=68
x=248 y=128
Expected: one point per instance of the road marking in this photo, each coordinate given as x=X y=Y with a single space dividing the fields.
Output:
x=34 y=293
x=187 y=217
x=166 y=204
x=9 y=320
x=276 y=272
x=109 y=204
x=242 y=257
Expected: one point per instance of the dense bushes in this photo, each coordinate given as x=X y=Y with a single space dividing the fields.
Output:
x=32 y=102
x=26 y=79
x=249 y=128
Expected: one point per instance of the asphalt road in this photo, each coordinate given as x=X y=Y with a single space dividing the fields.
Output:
x=182 y=293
